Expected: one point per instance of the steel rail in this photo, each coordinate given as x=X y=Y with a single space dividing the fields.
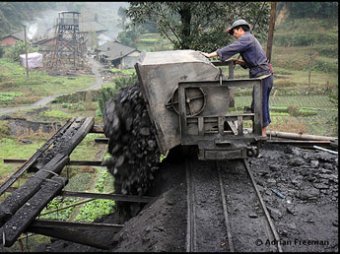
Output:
x=225 y=210
x=263 y=206
x=191 y=224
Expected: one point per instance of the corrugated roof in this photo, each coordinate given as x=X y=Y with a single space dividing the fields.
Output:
x=91 y=26
x=19 y=35
x=114 y=50
x=42 y=41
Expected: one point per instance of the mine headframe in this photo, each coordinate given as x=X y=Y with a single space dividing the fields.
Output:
x=70 y=46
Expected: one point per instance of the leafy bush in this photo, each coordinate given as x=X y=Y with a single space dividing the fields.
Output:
x=4 y=129
x=8 y=97
x=327 y=50
x=95 y=209
x=125 y=81
x=14 y=52
x=293 y=110
x=296 y=111
x=2 y=52
x=327 y=67
x=110 y=91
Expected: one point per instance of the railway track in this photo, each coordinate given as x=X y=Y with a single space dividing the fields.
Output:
x=222 y=197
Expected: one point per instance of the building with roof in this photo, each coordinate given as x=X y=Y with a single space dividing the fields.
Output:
x=118 y=55
x=12 y=39
x=46 y=44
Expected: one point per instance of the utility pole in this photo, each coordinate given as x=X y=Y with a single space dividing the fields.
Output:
x=26 y=52
x=271 y=30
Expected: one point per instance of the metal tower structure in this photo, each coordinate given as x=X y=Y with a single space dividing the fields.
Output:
x=70 y=43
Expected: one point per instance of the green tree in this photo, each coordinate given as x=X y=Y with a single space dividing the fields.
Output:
x=130 y=35
x=199 y=25
x=12 y=14
x=122 y=15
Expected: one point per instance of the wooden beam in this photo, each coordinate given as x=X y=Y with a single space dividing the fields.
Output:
x=102 y=140
x=298 y=136
x=79 y=232
x=21 y=195
x=271 y=30
x=20 y=221
x=34 y=158
x=50 y=162
x=73 y=163
x=116 y=197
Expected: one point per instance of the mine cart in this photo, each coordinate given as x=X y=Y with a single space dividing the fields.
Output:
x=192 y=103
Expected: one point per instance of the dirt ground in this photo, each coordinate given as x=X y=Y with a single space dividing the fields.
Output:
x=299 y=187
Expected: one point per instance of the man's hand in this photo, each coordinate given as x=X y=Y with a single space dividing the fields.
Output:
x=240 y=62
x=205 y=54
x=209 y=55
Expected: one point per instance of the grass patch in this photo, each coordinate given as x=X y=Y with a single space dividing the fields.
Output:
x=85 y=148
x=294 y=111
x=12 y=148
x=98 y=208
x=9 y=97
x=39 y=84
x=56 y=115
x=153 y=42
x=128 y=72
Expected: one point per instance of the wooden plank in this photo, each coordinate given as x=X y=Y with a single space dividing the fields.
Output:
x=102 y=140
x=34 y=158
x=68 y=141
x=116 y=197
x=232 y=127
x=83 y=233
x=80 y=134
x=19 y=222
x=298 y=136
x=20 y=196
x=73 y=163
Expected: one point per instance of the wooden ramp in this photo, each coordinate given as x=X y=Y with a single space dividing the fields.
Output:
x=19 y=210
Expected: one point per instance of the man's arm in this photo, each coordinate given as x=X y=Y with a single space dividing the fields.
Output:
x=236 y=61
x=210 y=55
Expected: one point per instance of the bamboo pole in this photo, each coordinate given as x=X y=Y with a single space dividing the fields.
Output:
x=298 y=136
x=271 y=30
x=26 y=52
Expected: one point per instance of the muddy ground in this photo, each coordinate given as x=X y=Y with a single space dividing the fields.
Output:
x=299 y=186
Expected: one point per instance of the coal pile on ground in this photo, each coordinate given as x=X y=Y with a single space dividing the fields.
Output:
x=132 y=144
x=299 y=187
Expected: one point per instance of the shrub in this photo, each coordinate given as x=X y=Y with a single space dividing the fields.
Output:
x=2 y=52
x=4 y=129
x=293 y=110
x=14 y=52
x=109 y=91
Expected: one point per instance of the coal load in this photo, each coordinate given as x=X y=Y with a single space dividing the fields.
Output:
x=132 y=142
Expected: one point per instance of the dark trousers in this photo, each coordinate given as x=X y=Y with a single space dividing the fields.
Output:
x=267 y=85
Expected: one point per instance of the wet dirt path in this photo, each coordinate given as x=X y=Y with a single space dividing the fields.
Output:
x=95 y=68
